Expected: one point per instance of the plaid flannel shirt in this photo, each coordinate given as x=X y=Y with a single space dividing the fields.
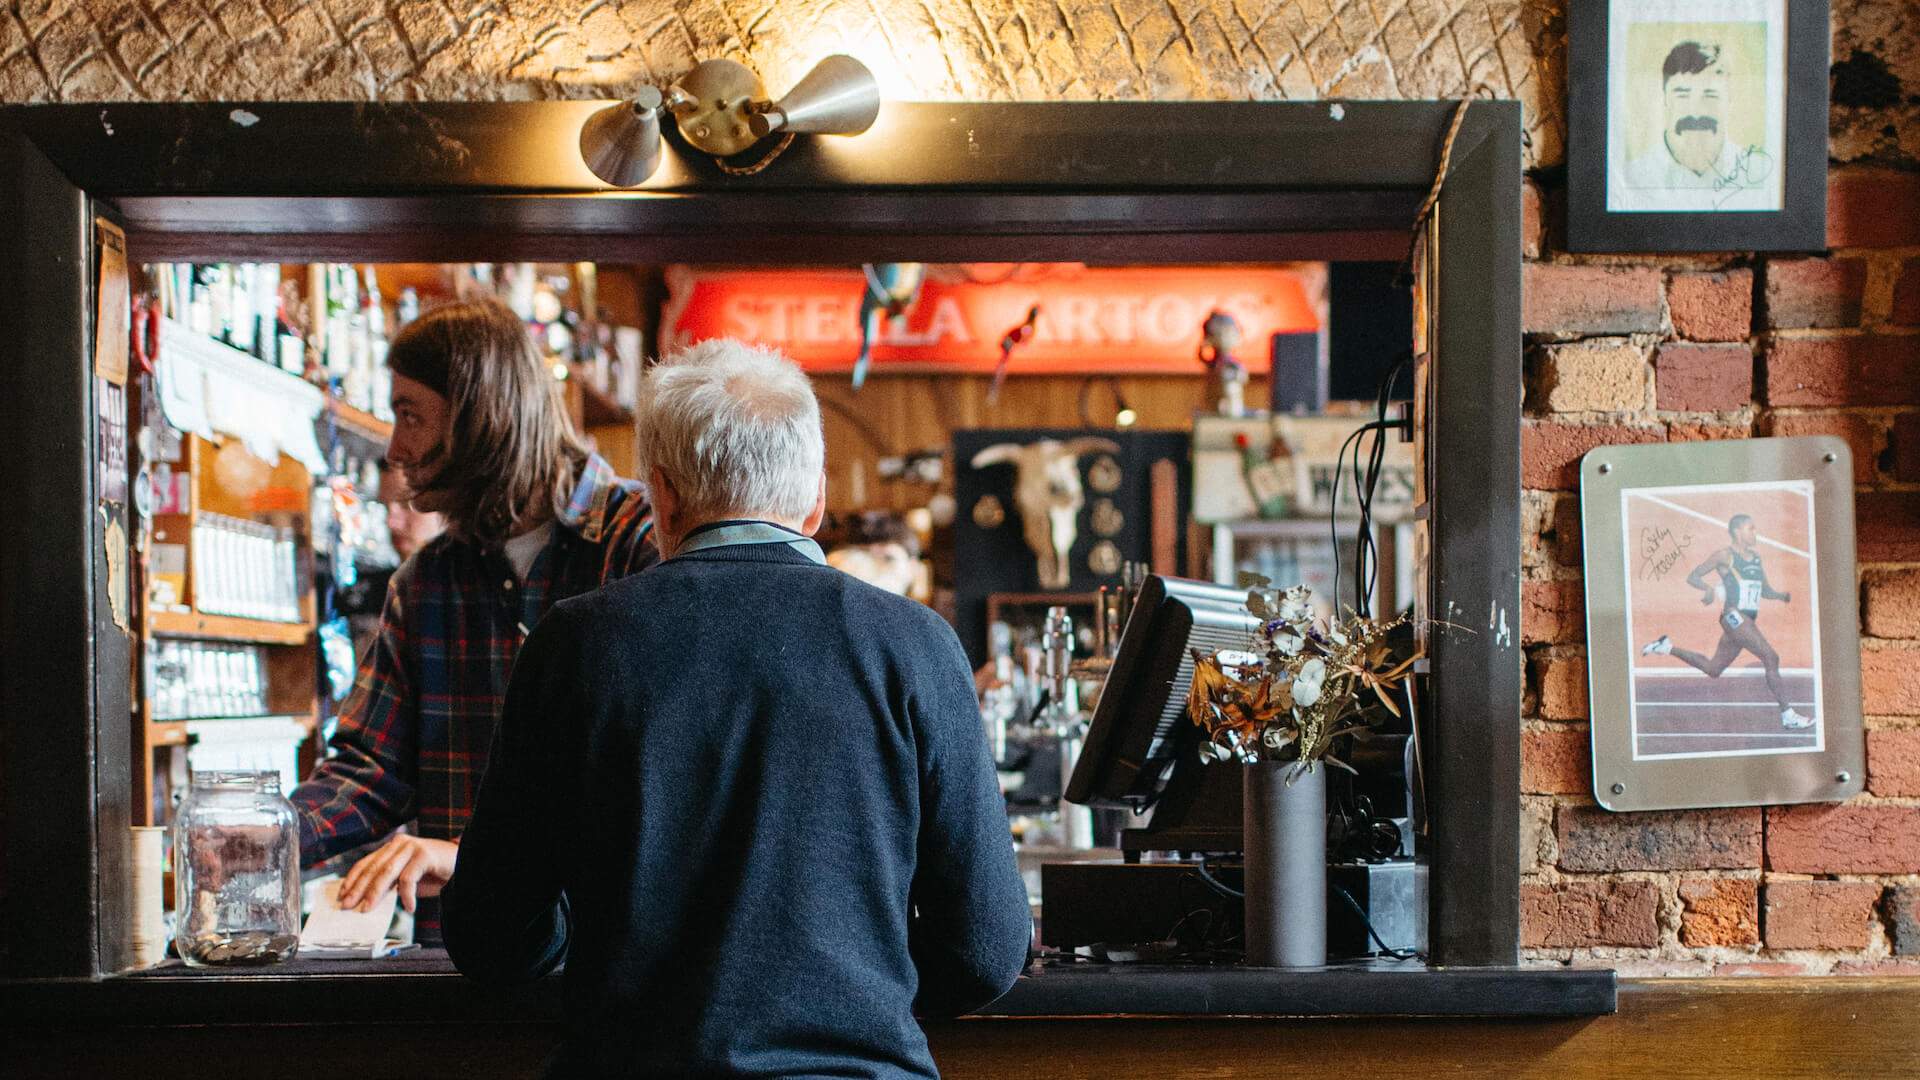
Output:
x=413 y=736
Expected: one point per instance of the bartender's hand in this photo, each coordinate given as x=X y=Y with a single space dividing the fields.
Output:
x=415 y=865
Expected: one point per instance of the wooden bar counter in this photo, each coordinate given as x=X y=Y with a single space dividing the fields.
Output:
x=411 y=1016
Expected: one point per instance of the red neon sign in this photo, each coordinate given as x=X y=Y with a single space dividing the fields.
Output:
x=1129 y=320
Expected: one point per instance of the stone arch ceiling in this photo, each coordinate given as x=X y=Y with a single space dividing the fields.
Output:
x=983 y=50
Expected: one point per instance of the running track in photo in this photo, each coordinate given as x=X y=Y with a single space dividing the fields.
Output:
x=1688 y=713
x=1721 y=596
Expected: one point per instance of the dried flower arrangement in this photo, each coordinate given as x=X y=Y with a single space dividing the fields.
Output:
x=1300 y=688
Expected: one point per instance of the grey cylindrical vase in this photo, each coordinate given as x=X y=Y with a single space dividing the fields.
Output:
x=1285 y=828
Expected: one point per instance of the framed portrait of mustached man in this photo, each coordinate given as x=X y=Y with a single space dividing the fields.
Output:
x=1697 y=125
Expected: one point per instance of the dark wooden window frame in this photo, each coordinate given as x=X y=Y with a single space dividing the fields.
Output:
x=1132 y=182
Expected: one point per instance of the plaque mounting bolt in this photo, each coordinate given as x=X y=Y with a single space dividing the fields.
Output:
x=1842 y=776
x=1618 y=789
x=1606 y=467
x=1830 y=457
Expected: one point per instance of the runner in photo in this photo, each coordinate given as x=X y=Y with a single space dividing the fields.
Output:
x=1723 y=635
x=1743 y=585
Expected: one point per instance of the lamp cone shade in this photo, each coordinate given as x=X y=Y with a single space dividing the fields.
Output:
x=838 y=97
x=621 y=143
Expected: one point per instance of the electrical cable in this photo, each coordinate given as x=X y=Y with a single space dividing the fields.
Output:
x=1366 y=550
x=1333 y=519
x=1385 y=949
x=1215 y=883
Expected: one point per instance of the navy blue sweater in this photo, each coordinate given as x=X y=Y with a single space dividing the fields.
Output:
x=747 y=799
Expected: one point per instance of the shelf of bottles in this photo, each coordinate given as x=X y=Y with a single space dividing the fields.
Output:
x=201 y=680
x=335 y=336
x=245 y=570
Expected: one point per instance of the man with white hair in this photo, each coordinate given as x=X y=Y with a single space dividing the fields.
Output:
x=744 y=796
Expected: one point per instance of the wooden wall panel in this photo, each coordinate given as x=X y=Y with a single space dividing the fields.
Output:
x=895 y=414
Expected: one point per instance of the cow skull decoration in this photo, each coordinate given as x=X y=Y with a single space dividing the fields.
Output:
x=1047 y=490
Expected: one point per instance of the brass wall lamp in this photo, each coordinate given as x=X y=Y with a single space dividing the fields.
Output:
x=721 y=107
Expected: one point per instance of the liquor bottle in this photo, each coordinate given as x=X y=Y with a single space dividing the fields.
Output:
x=1000 y=703
x=292 y=348
x=220 y=301
x=266 y=312
x=340 y=304
x=240 y=322
x=1064 y=719
x=1268 y=475
x=357 y=387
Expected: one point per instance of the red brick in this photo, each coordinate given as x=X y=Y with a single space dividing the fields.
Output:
x=1873 y=207
x=1844 y=371
x=1864 y=435
x=1906 y=448
x=1845 y=838
x=1891 y=605
x=1553 y=612
x=1555 y=762
x=1592 y=839
x=1765 y=969
x=1702 y=378
x=1906 y=295
x=1579 y=914
x=1890 y=681
x=1719 y=911
x=1562 y=680
x=1594 y=375
x=1802 y=293
x=1568 y=544
x=1893 y=763
x=1705 y=431
x=1887 y=526
x=1550 y=450
x=1579 y=300
x=1712 y=307
x=1903 y=919
x=1820 y=914
x=1533 y=221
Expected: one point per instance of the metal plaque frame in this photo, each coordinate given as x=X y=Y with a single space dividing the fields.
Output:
x=1734 y=752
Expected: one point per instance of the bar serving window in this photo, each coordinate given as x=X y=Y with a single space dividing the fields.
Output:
x=328 y=217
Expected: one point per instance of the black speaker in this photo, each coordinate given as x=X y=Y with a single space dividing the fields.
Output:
x=1299 y=380
x=1371 y=327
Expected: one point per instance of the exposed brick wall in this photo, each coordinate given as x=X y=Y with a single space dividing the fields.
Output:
x=1735 y=345
x=1620 y=349
x=1729 y=346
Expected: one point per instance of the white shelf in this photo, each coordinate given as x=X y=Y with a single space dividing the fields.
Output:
x=208 y=387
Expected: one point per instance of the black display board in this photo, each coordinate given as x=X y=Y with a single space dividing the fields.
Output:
x=990 y=552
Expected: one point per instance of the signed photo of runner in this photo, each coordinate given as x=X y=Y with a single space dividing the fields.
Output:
x=1722 y=619
x=1696 y=102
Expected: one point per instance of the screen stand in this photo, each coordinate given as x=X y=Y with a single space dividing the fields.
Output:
x=1198 y=812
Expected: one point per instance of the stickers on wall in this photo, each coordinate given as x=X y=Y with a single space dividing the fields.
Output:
x=112 y=317
x=113 y=536
x=111 y=399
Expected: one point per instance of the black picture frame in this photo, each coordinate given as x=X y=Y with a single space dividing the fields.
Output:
x=1801 y=222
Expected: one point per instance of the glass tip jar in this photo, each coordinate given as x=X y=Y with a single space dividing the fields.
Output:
x=237 y=881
